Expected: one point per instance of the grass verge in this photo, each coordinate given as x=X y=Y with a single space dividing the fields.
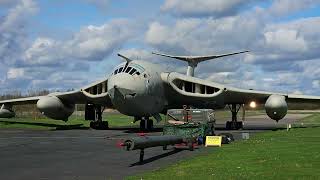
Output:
x=279 y=154
x=115 y=120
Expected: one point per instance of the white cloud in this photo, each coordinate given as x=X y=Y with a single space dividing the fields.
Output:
x=94 y=43
x=14 y=73
x=206 y=36
x=43 y=51
x=276 y=47
x=222 y=77
x=100 y=4
x=296 y=40
x=285 y=7
x=138 y=54
x=285 y=40
x=16 y=15
x=8 y=3
x=196 y=8
x=28 y=63
x=91 y=43
x=53 y=63
x=167 y=37
x=316 y=84
x=13 y=38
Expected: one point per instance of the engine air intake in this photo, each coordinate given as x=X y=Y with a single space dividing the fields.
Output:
x=192 y=87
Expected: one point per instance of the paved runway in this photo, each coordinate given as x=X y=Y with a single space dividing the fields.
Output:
x=92 y=154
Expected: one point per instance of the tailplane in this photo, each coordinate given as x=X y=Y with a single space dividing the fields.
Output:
x=194 y=60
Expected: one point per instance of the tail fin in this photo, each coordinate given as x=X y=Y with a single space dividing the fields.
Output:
x=194 y=60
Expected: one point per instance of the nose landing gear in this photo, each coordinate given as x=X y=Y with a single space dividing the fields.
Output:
x=146 y=124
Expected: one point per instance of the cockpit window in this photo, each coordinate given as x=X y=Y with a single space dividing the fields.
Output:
x=132 y=69
x=128 y=69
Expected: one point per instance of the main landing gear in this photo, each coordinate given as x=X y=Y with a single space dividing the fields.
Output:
x=94 y=114
x=146 y=124
x=234 y=123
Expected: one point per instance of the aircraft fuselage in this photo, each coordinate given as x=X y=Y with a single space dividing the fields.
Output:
x=140 y=93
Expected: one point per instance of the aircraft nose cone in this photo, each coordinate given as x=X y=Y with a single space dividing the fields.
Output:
x=123 y=86
x=127 y=93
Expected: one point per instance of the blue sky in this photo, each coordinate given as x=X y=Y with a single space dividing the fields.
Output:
x=59 y=45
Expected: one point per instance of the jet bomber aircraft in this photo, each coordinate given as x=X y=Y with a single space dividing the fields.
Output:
x=142 y=89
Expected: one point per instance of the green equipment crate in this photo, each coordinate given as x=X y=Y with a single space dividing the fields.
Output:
x=189 y=123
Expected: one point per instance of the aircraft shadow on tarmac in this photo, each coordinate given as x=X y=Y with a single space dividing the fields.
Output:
x=56 y=126
x=128 y=130
x=154 y=158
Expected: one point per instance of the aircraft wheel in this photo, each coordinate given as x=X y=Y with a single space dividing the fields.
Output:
x=146 y=125
x=239 y=125
x=142 y=124
x=93 y=125
x=228 y=125
x=104 y=125
x=150 y=125
x=227 y=138
x=99 y=125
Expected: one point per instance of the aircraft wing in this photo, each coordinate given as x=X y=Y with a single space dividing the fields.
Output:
x=94 y=93
x=206 y=94
x=28 y=100
x=242 y=96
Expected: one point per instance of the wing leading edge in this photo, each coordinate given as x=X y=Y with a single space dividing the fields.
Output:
x=93 y=93
x=236 y=95
x=191 y=90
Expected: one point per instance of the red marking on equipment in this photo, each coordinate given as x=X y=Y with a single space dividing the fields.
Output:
x=195 y=145
x=141 y=134
x=189 y=117
x=120 y=144
x=180 y=145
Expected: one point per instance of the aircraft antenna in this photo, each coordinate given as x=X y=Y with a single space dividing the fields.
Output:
x=125 y=58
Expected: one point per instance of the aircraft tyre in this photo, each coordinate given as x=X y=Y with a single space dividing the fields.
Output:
x=142 y=124
x=99 y=125
x=234 y=125
x=150 y=124
x=240 y=125
x=146 y=125
x=227 y=138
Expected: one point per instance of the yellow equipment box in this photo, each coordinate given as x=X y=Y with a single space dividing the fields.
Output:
x=213 y=141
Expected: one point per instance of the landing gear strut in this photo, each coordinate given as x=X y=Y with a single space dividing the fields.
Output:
x=97 y=122
x=146 y=124
x=234 y=123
